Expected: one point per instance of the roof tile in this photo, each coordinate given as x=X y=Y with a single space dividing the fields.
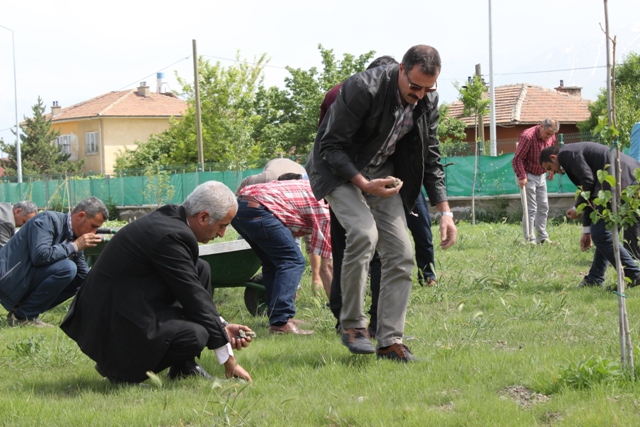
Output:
x=528 y=104
x=127 y=103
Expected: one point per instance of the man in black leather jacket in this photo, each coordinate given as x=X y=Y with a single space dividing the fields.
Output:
x=383 y=123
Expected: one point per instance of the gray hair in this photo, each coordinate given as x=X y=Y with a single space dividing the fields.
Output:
x=27 y=206
x=551 y=124
x=92 y=206
x=212 y=197
x=426 y=57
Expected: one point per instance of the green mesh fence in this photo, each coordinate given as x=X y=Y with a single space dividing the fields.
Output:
x=122 y=191
x=495 y=177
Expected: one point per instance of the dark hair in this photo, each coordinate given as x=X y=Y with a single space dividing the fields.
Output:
x=289 y=176
x=426 y=57
x=382 y=60
x=545 y=155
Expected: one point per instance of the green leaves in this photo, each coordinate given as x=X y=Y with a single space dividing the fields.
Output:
x=626 y=101
x=586 y=373
x=40 y=153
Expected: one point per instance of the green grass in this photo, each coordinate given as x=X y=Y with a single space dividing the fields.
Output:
x=504 y=340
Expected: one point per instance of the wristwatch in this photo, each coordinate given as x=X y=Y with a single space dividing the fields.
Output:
x=448 y=213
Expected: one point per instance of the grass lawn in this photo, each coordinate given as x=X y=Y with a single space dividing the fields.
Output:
x=505 y=339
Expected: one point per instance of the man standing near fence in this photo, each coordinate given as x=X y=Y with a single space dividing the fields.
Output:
x=531 y=179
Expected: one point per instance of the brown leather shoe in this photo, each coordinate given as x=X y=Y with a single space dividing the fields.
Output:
x=14 y=321
x=288 y=328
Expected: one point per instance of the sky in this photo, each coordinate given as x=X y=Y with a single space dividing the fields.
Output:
x=70 y=51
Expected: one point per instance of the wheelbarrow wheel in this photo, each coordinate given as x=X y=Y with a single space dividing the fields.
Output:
x=255 y=299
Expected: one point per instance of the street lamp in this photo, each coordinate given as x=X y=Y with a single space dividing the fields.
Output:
x=15 y=93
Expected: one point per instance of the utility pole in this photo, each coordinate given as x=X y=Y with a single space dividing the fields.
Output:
x=15 y=94
x=492 y=93
x=480 y=115
x=196 y=86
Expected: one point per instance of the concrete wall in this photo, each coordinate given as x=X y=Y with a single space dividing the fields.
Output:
x=461 y=206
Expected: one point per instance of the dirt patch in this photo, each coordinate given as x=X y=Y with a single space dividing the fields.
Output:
x=550 y=418
x=503 y=345
x=523 y=396
x=449 y=406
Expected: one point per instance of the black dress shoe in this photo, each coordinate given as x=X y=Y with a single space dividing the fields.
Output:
x=188 y=370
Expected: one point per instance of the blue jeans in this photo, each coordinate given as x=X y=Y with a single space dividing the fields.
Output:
x=420 y=227
x=603 y=241
x=50 y=286
x=282 y=261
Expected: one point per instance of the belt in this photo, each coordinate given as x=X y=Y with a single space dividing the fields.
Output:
x=252 y=202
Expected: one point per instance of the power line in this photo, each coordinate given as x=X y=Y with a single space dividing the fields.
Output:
x=147 y=76
x=188 y=57
x=246 y=62
x=550 y=71
x=539 y=71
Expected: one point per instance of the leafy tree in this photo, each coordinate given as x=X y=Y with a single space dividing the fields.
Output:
x=472 y=100
x=242 y=121
x=627 y=100
x=227 y=100
x=476 y=106
x=158 y=188
x=39 y=153
x=451 y=134
x=289 y=117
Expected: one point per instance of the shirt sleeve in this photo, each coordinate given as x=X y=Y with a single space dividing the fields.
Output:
x=524 y=143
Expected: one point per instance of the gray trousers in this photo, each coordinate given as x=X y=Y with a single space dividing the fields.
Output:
x=374 y=223
x=538 y=208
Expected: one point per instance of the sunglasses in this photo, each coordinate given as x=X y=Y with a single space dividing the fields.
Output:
x=416 y=88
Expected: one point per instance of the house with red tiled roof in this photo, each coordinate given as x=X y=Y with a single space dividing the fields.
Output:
x=97 y=129
x=520 y=106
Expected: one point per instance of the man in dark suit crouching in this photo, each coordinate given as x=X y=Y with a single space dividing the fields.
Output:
x=146 y=304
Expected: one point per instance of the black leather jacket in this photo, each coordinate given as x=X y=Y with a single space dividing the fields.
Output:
x=357 y=125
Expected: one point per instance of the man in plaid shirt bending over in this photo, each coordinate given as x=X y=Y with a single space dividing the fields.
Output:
x=270 y=216
x=531 y=176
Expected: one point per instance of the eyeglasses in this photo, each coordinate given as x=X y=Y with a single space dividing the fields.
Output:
x=418 y=88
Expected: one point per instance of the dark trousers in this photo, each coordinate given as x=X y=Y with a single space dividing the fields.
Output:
x=631 y=235
x=190 y=338
x=50 y=286
x=420 y=227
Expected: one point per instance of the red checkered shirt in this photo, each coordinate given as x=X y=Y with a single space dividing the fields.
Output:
x=527 y=157
x=294 y=204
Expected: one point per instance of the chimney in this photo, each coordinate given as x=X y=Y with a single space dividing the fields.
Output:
x=143 y=90
x=159 y=77
x=571 y=90
x=55 y=109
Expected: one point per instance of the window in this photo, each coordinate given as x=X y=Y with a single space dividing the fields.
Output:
x=91 y=142
x=64 y=143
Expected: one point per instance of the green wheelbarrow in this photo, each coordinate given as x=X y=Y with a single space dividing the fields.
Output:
x=233 y=264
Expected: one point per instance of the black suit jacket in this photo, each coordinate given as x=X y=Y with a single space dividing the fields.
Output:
x=124 y=315
x=581 y=162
